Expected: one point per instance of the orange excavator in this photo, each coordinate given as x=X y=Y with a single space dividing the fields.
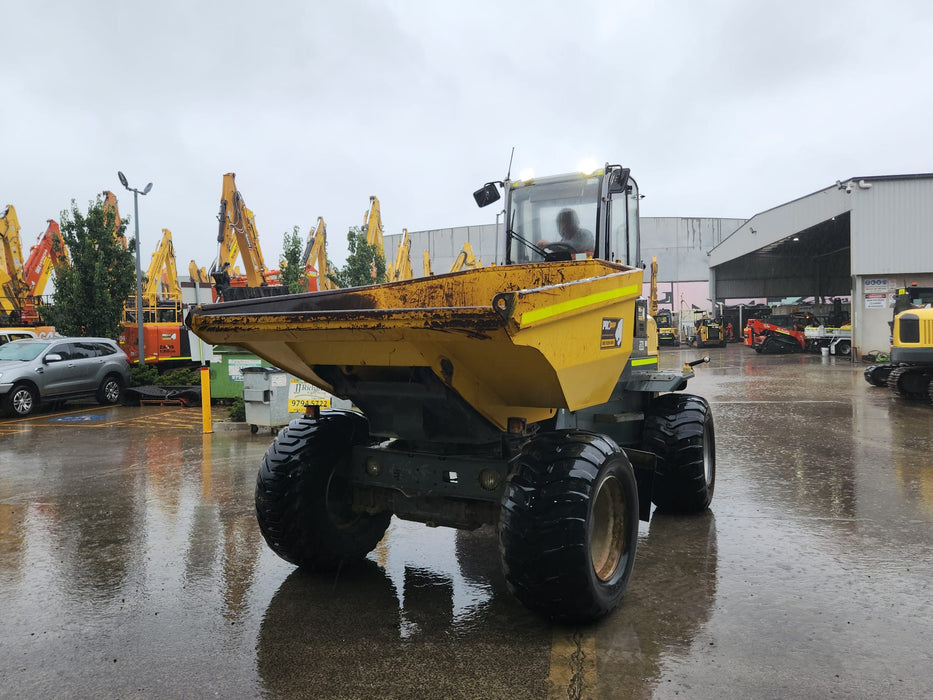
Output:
x=48 y=252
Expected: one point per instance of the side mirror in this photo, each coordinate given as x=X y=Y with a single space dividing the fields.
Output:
x=618 y=180
x=486 y=195
x=52 y=357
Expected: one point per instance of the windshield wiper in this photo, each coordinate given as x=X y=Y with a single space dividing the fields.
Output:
x=538 y=249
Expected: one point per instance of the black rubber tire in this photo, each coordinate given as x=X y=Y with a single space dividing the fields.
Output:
x=877 y=375
x=303 y=494
x=21 y=401
x=569 y=526
x=110 y=390
x=679 y=430
x=844 y=348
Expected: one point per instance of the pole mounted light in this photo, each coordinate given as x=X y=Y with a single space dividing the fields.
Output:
x=139 y=275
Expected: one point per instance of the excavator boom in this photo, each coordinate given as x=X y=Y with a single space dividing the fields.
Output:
x=401 y=270
x=44 y=256
x=162 y=277
x=110 y=204
x=373 y=224
x=13 y=288
x=314 y=259
x=237 y=234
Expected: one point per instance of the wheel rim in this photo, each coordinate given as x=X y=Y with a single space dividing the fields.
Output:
x=111 y=391
x=707 y=458
x=609 y=523
x=22 y=402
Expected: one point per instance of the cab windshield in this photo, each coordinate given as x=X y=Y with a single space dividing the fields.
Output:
x=537 y=208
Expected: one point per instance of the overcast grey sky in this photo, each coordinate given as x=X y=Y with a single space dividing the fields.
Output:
x=721 y=108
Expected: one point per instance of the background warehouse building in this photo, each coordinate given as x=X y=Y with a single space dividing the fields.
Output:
x=863 y=238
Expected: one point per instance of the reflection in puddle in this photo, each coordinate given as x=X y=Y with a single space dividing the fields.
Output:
x=424 y=566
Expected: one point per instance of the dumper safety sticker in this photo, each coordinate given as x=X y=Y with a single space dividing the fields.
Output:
x=611 y=334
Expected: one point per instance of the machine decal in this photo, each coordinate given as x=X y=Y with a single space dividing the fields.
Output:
x=611 y=334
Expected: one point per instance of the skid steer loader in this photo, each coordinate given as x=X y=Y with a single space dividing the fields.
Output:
x=525 y=395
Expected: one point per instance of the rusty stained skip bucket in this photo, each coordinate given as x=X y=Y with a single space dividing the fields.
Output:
x=517 y=340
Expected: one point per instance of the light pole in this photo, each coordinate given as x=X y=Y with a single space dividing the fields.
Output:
x=139 y=275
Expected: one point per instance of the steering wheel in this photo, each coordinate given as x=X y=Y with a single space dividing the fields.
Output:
x=560 y=247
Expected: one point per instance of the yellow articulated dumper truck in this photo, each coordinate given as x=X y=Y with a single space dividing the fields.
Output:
x=525 y=395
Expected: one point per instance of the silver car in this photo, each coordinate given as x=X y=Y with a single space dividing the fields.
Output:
x=54 y=369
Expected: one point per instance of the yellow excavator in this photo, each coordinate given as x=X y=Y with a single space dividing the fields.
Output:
x=466 y=260
x=237 y=236
x=314 y=259
x=13 y=287
x=909 y=374
x=372 y=224
x=198 y=274
x=526 y=396
x=165 y=337
x=401 y=269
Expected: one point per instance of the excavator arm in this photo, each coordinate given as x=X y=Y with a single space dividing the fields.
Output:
x=466 y=260
x=44 y=256
x=314 y=260
x=653 y=298
x=13 y=289
x=237 y=234
x=110 y=204
x=372 y=222
x=401 y=270
x=162 y=276
x=198 y=274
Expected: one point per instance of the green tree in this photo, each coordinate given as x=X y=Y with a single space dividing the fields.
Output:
x=91 y=290
x=290 y=263
x=363 y=260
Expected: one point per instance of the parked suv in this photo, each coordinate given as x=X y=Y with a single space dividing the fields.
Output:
x=53 y=369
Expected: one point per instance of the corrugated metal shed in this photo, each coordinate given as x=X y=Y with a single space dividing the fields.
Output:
x=889 y=219
x=892 y=226
x=860 y=238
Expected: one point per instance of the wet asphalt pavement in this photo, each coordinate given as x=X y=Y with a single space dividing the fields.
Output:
x=131 y=567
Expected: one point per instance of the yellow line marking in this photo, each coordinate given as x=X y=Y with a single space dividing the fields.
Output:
x=572 y=674
x=573 y=304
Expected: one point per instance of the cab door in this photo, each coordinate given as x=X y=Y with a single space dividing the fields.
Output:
x=624 y=234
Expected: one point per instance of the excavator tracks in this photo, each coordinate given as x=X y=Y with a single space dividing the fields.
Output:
x=911 y=382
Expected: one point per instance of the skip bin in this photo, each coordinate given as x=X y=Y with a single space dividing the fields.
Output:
x=265 y=396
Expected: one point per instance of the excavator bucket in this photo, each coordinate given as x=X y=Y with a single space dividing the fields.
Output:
x=519 y=340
